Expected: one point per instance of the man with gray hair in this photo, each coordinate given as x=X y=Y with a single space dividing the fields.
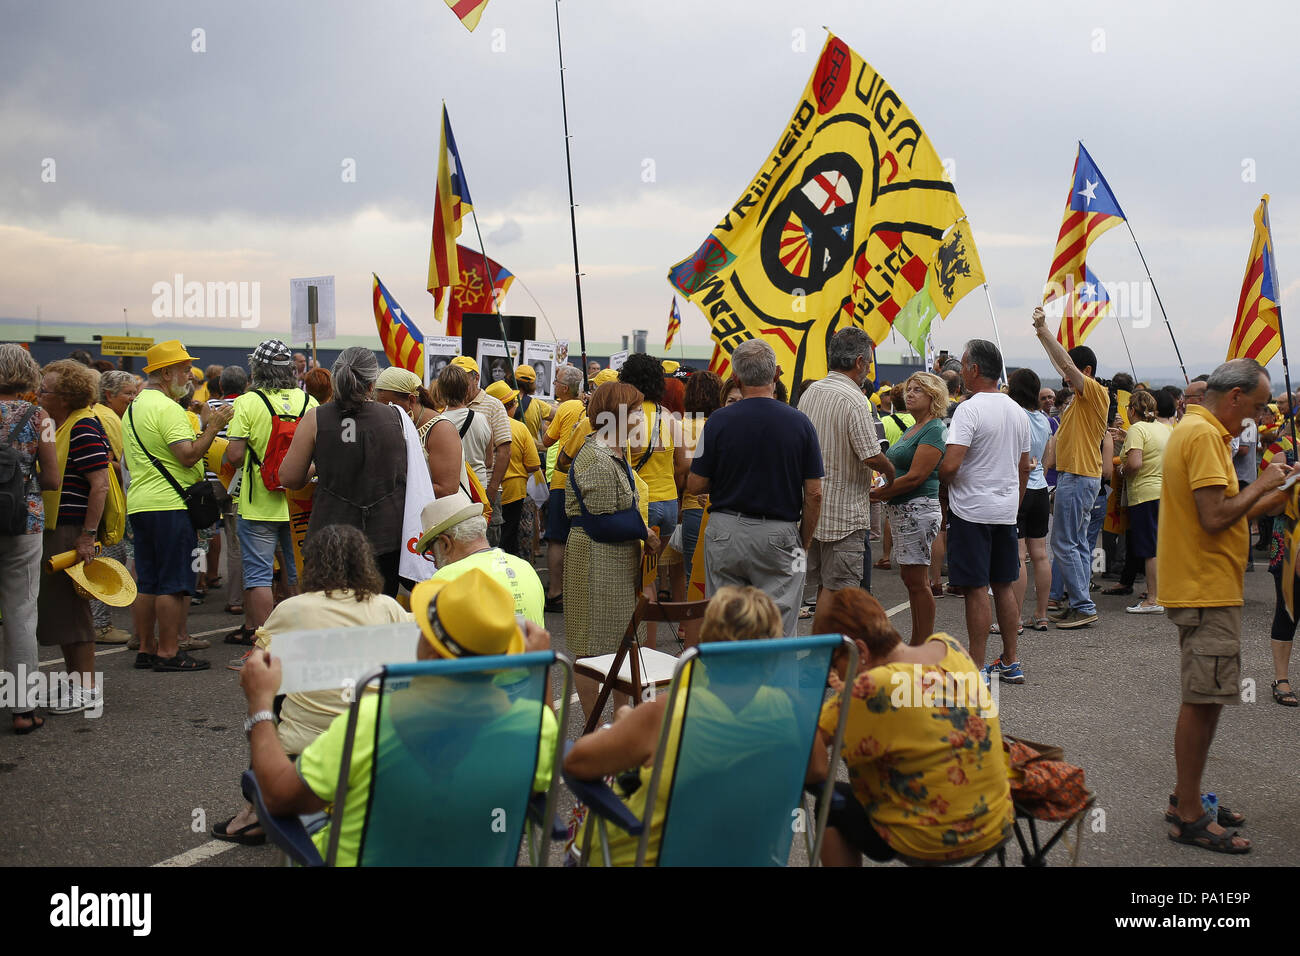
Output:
x=846 y=434
x=263 y=523
x=986 y=468
x=1200 y=562
x=455 y=531
x=761 y=464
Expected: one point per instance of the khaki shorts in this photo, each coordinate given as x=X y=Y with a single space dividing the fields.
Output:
x=838 y=564
x=1210 y=640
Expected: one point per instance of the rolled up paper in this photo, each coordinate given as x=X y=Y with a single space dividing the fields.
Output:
x=65 y=560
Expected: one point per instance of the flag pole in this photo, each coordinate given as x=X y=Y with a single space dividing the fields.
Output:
x=1158 y=302
x=573 y=220
x=1277 y=290
x=996 y=334
x=501 y=323
x=1124 y=339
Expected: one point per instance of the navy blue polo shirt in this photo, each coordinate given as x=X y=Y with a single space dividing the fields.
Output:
x=757 y=454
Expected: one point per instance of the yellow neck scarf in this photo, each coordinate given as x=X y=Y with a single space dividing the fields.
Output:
x=62 y=439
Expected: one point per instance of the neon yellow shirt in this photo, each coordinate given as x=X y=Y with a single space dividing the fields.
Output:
x=159 y=422
x=252 y=422
x=320 y=763
x=514 y=573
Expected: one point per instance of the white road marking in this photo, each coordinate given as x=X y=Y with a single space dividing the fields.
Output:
x=200 y=853
x=110 y=650
x=899 y=607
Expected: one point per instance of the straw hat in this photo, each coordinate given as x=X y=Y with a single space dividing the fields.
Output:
x=394 y=379
x=468 y=616
x=467 y=363
x=166 y=353
x=443 y=513
x=105 y=580
x=502 y=392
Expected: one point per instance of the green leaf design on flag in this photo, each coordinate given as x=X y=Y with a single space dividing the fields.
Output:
x=913 y=321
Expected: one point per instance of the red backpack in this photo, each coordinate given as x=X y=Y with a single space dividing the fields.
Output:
x=283 y=426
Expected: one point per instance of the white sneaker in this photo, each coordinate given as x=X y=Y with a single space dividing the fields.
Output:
x=1141 y=608
x=70 y=699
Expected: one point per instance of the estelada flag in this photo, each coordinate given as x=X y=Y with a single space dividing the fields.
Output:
x=481 y=288
x=1086 y=304
x=674 y=323
x=469 y=12
x=452 y=204
x=1090 y=209
x=836 y=228
x=1256 y=333
x=403 y=343
x=955 y=270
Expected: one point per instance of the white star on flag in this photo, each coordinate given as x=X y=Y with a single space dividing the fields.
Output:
x=1087 y=291
x=1089 y=191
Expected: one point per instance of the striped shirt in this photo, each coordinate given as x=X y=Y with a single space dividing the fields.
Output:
x=847 y=435
x=87 y=452
x=214 y=404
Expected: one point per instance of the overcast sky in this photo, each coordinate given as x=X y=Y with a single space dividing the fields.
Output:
x=227 y=165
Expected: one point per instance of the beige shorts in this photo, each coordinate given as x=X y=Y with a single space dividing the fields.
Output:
x=838 y=564
x=1210 y=640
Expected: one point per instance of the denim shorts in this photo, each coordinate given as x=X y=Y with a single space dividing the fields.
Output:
x=165 y=543
x=664 y=514
x=258 y=541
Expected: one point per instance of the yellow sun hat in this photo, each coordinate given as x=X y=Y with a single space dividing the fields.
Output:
x=468 y=616
x=502 y=392
x=105 y=580
x=166 y=353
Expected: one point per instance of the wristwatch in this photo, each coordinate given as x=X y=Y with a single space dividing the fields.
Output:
x=256 y=719
x=90 y=531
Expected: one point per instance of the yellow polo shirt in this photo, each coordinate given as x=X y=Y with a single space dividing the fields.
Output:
x=1196 y=568
x=567 y=416
x=1083 y=426
x=523 y=455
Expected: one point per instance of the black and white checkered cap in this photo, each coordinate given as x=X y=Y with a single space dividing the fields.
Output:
x=273 y=352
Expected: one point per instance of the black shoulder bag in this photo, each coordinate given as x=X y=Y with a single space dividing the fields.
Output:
x=200 y=499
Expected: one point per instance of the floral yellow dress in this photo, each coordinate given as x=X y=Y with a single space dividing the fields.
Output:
x=924 y=750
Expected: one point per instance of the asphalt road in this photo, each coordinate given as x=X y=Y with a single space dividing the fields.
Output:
x=145 y=782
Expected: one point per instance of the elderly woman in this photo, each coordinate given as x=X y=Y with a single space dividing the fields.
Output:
x=473 y=427
x=1141 y=459
x=28 y=430
x=340 y=588
x=922 y=741
x=912 y=499
x=755 y=723
x=116 y=389
x=442 y=451
x=602 y=562
x=358 y=448
x=72 y=514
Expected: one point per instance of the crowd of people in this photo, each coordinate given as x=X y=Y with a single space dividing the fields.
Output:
x=310 y=482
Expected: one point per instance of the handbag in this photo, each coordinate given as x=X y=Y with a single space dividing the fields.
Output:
x=621 y=526
x=199 y=499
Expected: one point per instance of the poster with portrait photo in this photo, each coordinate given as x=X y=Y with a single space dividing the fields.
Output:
x=494 y=364
x=439 y=350
x=541 y=357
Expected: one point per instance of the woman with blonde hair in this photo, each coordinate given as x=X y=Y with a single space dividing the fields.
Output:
x=912 y=499
x=1141 y=462
x=733 y=614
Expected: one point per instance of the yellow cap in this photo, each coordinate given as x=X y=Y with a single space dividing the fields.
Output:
x=526 y=373
x=469 y=616
x=670 y=366
x=467 y=363
x=604 y=377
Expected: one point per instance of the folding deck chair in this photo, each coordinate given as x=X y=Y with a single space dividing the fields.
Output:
x=731 y=780
x=456 y=747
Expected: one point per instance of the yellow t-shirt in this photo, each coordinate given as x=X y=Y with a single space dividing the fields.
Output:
x=720 y=738
x=923 y=746
x=1083 y=426
x=112 y=426
x=159 y=422
x=306 y=716
x=1150 y=438
x=657 y=470
x=568 y=415
x=320 y=763
x=252 y=422
x=535 y=415
x=523 y=455
x=692 y=425
x=1194 y=567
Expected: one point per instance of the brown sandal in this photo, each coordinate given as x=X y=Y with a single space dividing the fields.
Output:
x=243 y=636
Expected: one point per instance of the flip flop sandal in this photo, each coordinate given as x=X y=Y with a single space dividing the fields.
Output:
x=145 y=662
x=1286 y=698
x=181 y=662
x=1198 y=834
x=1226 y=818
x=222 y=831
x=242 y=636
x=36 y=723
x=1038 y=624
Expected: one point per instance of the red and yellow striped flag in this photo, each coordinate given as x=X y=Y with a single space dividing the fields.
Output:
x=403 y=343
x=1090 y=209
x=1084 y=307
x=674 y=323
x=468 y=11
x=451 y=205
x=1256 y=333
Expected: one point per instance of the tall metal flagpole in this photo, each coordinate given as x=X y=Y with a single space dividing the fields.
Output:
x=501 y=323
x=1158 y=302
x=1124 y=339
x=1277 y=290
x=996 y=334
x=573 y=220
